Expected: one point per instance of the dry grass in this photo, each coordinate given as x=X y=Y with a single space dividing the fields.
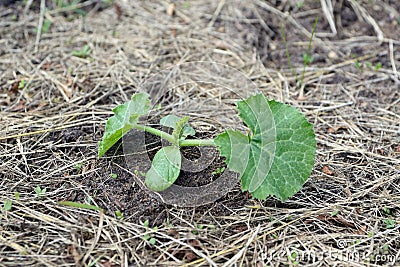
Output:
x=52 y=123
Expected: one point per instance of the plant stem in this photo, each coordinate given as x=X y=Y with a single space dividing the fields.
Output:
x=170 y=138
x=197 y=142
x=287 y=51
x=305 y=63
x=157 y=132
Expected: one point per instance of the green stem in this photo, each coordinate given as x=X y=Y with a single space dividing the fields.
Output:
x=305 y=63
x=197 y=142
x=170 y=138
x=287 y=51
x=157 y=132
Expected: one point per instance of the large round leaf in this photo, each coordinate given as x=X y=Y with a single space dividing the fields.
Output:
x=165 y=169
x=291 y=145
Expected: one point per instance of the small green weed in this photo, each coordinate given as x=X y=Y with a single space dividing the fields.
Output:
x=202 y=227
x=40 y=192
x=21 y=84
x=72 y=6
x=83 y=53
x=390 y=223
x=149 y=237
x=307 y=58
x=119 y=214
x=139 y=173
x=334 y=213
x=386 y=210
x=361 y=66
x=45 y=27
x=292 y=258
x=7 y=205
x=78 y=166
x=384 y=250
x=218 y=171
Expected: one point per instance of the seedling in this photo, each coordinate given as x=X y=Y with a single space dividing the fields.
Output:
x=386 y=210
x=114 y=175
x=40 y=192
x=384 y=249
x=354 y=243
x=357 y=64
x=274 y=158
x=139 y=173
x=367 y=65
x=119 y=215
x=378 y=66
x=7 y=205
x=292 y=258
x=46 y=25
x=218 y=171
x=78 y=166
x=73 y=6
x=149 y=237
x=21 y=84
x=201 y=227
x=334 y=213
x=83 y=53
x=307 y=58
x=390 y=223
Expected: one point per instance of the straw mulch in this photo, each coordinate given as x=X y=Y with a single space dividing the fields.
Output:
x=53 y=108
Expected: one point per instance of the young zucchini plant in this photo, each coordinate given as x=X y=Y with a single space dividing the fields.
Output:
x=275 y=158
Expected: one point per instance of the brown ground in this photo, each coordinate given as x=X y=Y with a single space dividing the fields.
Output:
x=53 y=108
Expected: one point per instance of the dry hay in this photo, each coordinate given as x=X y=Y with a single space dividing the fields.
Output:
x=51 y=126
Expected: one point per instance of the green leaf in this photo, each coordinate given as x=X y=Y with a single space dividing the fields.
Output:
x=172 y=120
x=334 y=213
x=280 y=149
x=21 y=84
x=46 y=25
x=164 y=169
x=294 y=154
x=152 y=241
x=125 y=118
x=83 y=53
x=390 y=223
x=79 y=205
x=8 y=205
x=178 y=130
x=251 y=155
x=119 y=214
x=40 y=192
